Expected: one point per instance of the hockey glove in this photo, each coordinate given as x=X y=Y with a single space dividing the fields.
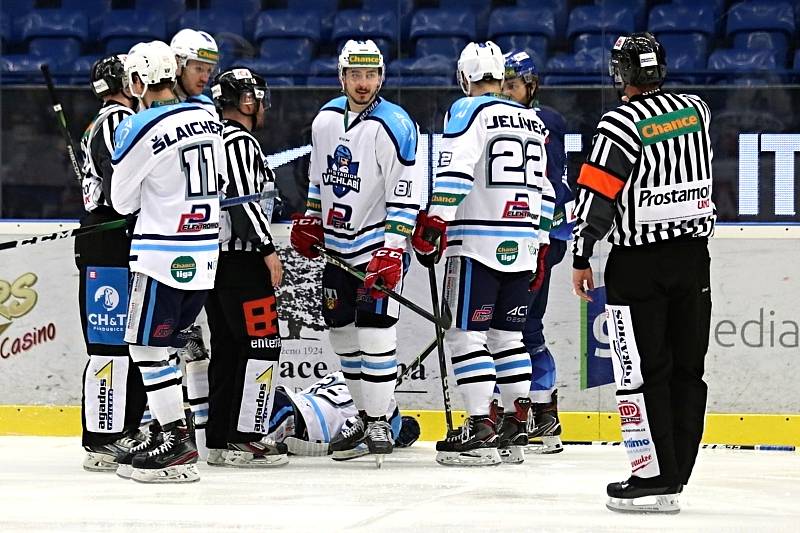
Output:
x=538 y=277
x=386 y=268
x=429 y=239
x=306 y=232
x=130 y=224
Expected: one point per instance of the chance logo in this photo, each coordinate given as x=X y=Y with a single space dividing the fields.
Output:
x=668 y=126
x=507 y=252
x=107 y=296
x=342 y=172
x=183 y=269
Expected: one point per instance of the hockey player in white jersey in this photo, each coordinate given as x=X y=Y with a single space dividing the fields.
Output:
x=166 y=165
x=363 y=198
x=491 y=208
x=307 y=420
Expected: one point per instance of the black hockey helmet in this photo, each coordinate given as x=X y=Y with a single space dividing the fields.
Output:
x=638 y=60
x=107 y=75
x=235 y=83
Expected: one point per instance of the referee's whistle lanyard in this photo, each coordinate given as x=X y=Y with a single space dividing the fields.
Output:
x=361 y=116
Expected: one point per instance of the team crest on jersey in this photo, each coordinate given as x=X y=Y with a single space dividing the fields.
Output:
x=342 y=172
x=331 y=298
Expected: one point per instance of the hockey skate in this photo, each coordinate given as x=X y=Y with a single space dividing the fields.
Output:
x=259 y=454
x=216 y=457
x=512 y=436
x=544 y=428
x=104 y=457
x=625 y=498
x=379 y=439
x=195 y=349
x=172 y=461
x=349 y=443
x=152 y=438
x=474 y=445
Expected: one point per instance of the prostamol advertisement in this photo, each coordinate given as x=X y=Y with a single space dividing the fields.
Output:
x=753 y=346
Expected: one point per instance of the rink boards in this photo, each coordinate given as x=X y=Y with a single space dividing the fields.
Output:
x=752 y=350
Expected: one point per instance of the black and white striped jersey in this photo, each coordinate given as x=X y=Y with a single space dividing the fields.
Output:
x=648 y=175
x=245 y=227
x=97 y=145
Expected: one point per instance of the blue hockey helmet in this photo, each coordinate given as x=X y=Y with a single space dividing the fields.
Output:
x=519 y=64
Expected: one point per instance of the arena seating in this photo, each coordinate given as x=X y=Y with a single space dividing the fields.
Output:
x=295 y=42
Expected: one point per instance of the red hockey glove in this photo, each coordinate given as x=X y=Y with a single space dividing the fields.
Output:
x=429 y=239
x=538 y=278
x=386 y=268
x=306 y=232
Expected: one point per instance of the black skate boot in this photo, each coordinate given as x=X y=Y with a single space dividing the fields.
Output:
x=544 y=427
x=379 y=438
x=474 y=445
x=151 y=439
x=349 y=443
x=172 y=461
x=262 y=453
x=626 y=498
x=105 y=457
x=195 y=349
x=513 y=434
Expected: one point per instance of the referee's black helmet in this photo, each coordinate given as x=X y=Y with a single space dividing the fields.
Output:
x=638 y=60
x=107 y=75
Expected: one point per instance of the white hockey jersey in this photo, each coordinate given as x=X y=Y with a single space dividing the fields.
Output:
x=326 y=406
x=364 y=179
x=167 y=163
x=490 y=183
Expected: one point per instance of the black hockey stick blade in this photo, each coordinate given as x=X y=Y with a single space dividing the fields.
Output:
x=415 y=364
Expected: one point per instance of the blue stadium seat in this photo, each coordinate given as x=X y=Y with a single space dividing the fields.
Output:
x=80 y=69
x=763 y=40
x=214 y=21
x=597 y=19
x=761 y=16
x=717 y=7
x=582 y=67
x=558 y=7
x=681 y=19
x=479 y=8
x=54 y=23
x=585 y=41
x=67 y=48
x=361 y=24
x=401 y=8
x=419 y=81
x=21 y=68
x=796 y=64
x=5 y=31
x=279 y=68
x=94 y=11
x=125 y=27
x=322 y=81
x=731 y=62
x=638 y=7
x=17 y=8
x=283 y=23
x=691 y=48
x=443 y=23
x=432 y=65
x=170 y=9
x=323 y=72
x=315 y=5
x=299 y=50
x=449 y=47
x=243 y=8
x=511 y=20
x=536 y=45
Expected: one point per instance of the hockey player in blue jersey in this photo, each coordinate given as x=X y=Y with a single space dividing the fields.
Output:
x=522 y=84
x=167 y=163
x=363 y=198
x=490 y=212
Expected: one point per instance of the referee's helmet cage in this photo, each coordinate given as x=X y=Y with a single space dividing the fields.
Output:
x=638 y=60
x=361 y=54
x=240 y=85
x=195 y=45
x=479 y=62
x=107 y=75
x=152 y=63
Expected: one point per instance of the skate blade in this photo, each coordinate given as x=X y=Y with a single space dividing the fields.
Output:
x=172 y=474
x=546 y=446
x=309 y=449
x=664 y=504
x=480 y=457
x=513 y=455
x=99 y=462
x=379 y=460
x=124 y=471
x=238 y=459
x=345 y=455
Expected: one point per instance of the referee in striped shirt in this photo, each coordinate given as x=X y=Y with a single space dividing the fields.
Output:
x=646 y=185
x=242 y=309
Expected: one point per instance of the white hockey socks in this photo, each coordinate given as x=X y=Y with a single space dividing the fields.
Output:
x=162 y=382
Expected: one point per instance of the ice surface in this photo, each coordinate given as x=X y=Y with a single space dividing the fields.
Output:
x=42 y=487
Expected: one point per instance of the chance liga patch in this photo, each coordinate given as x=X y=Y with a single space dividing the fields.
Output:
x=668 y=126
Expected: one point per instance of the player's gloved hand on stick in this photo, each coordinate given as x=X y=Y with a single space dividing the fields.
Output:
x=386 y=268
x=130 y=224
x=538 y=278
x=306 y=232
x=429 y=239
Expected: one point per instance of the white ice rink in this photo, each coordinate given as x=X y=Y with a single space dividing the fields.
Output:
x=43 y=488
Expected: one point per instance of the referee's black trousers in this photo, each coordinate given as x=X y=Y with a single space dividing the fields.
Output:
x=665 y=288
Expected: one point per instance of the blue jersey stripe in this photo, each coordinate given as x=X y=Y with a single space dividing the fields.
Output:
x=175 y=248
x=320 y=416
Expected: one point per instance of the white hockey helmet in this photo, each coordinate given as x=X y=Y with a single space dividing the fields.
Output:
x=361 y=54
x=480 y=61
x=153 y=62
x=193 y=44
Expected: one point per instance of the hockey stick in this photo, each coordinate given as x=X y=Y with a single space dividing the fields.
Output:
x=448 y=410
x=441 y=321
x=416 y=362
x=114 y=224
x=62 y=123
